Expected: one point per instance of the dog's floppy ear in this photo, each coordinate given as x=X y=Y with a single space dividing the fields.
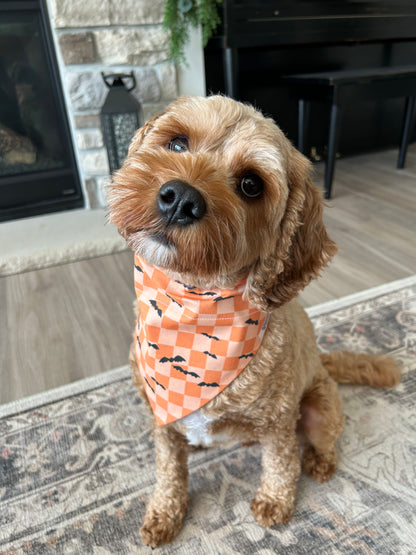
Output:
x=141 y=134
x=302 y=246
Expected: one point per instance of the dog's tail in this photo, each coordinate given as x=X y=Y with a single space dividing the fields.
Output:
x=360 y=368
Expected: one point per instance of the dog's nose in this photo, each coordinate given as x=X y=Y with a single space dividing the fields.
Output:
x=180 y=204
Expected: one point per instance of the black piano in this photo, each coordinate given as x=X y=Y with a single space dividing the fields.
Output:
x=262 y=40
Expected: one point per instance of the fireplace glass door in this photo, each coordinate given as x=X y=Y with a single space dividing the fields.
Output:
x=37 y=167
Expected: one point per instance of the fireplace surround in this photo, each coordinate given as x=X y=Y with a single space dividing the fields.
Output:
x=38 y=170
x=112 y=37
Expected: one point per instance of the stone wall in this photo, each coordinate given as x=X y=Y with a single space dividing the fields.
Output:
x=110 y=36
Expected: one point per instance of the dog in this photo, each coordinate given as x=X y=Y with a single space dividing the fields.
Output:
x=221 y=213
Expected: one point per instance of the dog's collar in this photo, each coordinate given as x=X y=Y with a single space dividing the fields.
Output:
x=190 y=343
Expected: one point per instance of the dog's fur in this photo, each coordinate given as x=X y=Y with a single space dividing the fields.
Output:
x=288 y=392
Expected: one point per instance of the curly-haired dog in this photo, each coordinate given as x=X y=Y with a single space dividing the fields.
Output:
x=227 y=228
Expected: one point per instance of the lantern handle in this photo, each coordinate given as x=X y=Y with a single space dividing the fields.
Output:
x=120 y=76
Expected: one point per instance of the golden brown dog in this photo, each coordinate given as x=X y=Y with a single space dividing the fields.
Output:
x=213 y=193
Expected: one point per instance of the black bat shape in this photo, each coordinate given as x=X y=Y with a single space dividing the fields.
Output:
x=138 y=268
x=159 y=312
x=210 y=354
x=213 y=384
x=180 y=369
x=207 y=293
x=153 y=345
x=157 y=383
x=178 y=358
x=173 y=300
x=149 y=385
x=250 y=321
x=210 y=336
x=247 y=356
x=186 y=286
x=223 y=298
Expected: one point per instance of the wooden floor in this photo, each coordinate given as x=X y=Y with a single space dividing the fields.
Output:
x=64 y=323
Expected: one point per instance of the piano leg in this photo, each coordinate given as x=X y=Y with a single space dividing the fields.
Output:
x=407 y=129
x=230 y=59
x=332 y=148
x=303 y=122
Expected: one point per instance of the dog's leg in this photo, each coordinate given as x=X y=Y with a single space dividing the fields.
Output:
x=166 y=509
x=321 y=423
x=274 y=501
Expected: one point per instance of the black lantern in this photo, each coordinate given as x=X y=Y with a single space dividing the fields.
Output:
x=121 y=116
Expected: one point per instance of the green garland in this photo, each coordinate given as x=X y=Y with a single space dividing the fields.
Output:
x=180 y=15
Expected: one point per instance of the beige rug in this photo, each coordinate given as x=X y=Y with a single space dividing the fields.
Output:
x=77 y=464
x=35 y=243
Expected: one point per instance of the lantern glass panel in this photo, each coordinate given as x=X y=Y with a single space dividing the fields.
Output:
x=118 y=130
x=121 y=116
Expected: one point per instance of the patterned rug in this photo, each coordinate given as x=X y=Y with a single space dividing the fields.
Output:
x=77 y=464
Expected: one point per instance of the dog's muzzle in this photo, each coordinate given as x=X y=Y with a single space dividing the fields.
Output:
x=180 y=204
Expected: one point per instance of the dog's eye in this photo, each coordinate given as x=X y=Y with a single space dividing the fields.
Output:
x=178 y=144
x=251 y=186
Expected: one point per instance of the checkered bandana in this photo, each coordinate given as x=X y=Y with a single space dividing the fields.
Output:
x=191 y=343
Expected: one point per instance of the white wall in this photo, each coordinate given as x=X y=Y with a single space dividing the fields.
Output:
x=191 y=79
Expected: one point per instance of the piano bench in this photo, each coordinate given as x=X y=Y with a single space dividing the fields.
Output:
x=334 y=86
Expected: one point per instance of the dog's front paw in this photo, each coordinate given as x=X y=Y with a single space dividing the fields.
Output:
x=269 y=511
x=161 y=526
x=319 y=466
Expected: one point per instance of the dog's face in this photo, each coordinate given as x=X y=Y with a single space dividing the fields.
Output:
x=212 y=189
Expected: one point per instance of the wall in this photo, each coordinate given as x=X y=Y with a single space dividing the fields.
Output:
x=110 y=36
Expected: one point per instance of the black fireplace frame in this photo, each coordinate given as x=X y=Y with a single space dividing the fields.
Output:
x=46 y=191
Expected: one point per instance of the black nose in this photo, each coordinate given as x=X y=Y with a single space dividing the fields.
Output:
x=180 y=203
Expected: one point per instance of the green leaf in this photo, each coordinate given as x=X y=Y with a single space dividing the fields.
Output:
x=181 y=15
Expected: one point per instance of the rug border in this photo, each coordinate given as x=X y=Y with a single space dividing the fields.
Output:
x=110 y=376
x=49 y=240
x=360 y=296
x=47 y=258
x=64 y=392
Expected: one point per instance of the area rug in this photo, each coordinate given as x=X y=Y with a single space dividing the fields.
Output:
x=77 y=465
x=42 y=241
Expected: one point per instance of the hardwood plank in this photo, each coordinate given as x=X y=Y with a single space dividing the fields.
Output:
x=65 y=323
x=372 y=218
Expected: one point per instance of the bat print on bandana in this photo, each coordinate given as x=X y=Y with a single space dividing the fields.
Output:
x=204 y=339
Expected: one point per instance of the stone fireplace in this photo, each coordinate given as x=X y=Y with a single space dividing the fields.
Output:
x=84 y=38
x=108 y=36
x=38 y=170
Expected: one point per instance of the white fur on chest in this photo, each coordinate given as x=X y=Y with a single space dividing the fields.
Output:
x=197 y=430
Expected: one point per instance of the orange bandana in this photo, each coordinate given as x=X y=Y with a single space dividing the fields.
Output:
x=191 y=344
